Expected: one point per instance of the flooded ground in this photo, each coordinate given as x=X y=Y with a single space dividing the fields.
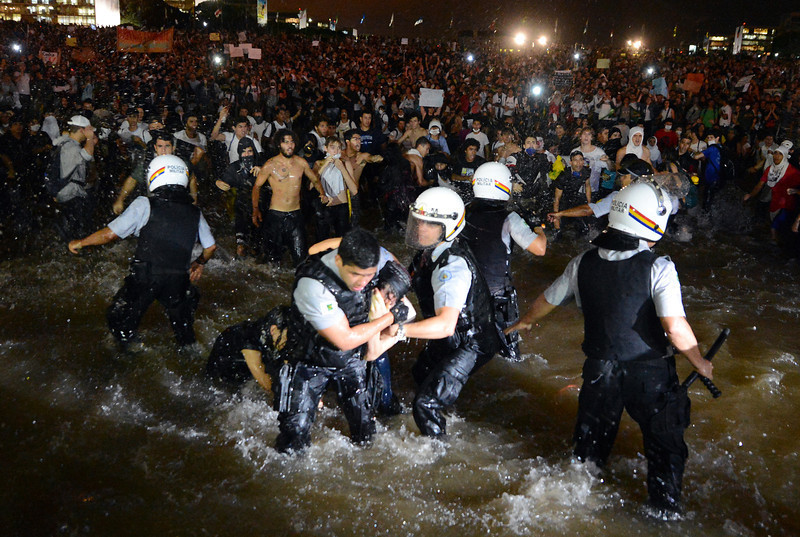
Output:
x=94 y=442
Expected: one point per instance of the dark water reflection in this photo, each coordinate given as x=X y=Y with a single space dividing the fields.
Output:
x=98 y=443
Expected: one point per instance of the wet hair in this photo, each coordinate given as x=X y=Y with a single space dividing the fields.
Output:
x=241 y=119
x=349 y=134
x=281 y=134
x=422 y=141
x=470 y=142
x=161 y=135
x=359 y=248
x=634 y=165
x=394 y=278
x=321 y=118
x=277 y=316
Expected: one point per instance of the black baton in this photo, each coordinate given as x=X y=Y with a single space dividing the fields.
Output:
x=709 y=355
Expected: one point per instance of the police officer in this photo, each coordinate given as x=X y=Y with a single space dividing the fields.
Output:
x=168 y=226
x=491 y=226
x=328 y=328
x=632 y=306
x=457 y=309
x=250 y=349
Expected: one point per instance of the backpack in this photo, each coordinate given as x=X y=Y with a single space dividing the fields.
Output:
x=53 y=181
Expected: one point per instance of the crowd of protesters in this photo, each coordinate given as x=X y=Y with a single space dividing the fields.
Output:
x=353 y=110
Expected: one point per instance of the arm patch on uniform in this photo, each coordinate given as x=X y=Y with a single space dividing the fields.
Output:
x=445 y=275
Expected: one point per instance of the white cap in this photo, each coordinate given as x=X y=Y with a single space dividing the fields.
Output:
x=79 y=121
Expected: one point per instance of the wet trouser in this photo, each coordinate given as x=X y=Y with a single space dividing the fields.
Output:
x=76 y=218
x=284 y=230
x=506 y=310
x=335 y=221
x=243 y=223
x=355 y=210
x=650 y=392
x=440 y=373
x=307 y=384
x=174 y=291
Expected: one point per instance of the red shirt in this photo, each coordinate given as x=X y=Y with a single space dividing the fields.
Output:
x=780 y=198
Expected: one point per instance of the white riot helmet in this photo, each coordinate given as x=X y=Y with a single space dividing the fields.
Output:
x=167 y=170
x=438 y=205
x=641 y=209
x=492 y=181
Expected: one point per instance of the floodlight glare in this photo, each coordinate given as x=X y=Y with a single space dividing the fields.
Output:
x=519 y=39
x=536 y=90
x=542 y=40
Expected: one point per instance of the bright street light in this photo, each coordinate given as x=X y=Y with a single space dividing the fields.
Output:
x=519 y=39
x=542 y=40
x=536 y=90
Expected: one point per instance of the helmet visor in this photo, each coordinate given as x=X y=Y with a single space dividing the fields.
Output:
x=423 y=234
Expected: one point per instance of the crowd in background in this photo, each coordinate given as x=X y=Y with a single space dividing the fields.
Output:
x=497 y=105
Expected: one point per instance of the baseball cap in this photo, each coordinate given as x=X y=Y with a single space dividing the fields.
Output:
x=79 y=121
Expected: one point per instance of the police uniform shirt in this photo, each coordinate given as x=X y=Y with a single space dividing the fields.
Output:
x=515 y=227
x=316 y=303
x=451 y=283
x=603 y=206
x=135 y=217
x=665 y=287
x=232 y=145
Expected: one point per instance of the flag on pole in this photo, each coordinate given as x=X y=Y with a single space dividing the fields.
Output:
x=218 y=12
x=391 y=21
x=419 y=21
x=303 y=24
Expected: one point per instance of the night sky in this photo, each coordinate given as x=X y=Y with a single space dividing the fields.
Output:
x=624 y=18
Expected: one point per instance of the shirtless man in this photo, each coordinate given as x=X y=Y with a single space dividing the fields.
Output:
x=283 y=223
x=415 y=156
x=413 y=132
x=352 y=154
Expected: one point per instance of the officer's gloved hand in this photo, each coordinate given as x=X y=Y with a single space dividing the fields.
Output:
x=400 y=312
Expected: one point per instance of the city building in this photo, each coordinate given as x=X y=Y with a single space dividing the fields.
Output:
x=78 y=12
x=753 y=40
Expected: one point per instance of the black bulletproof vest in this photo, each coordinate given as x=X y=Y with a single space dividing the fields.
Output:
x=620 y=321
x=166 y=241
x=306 y=344
x=483 y=233
x=476 y=322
